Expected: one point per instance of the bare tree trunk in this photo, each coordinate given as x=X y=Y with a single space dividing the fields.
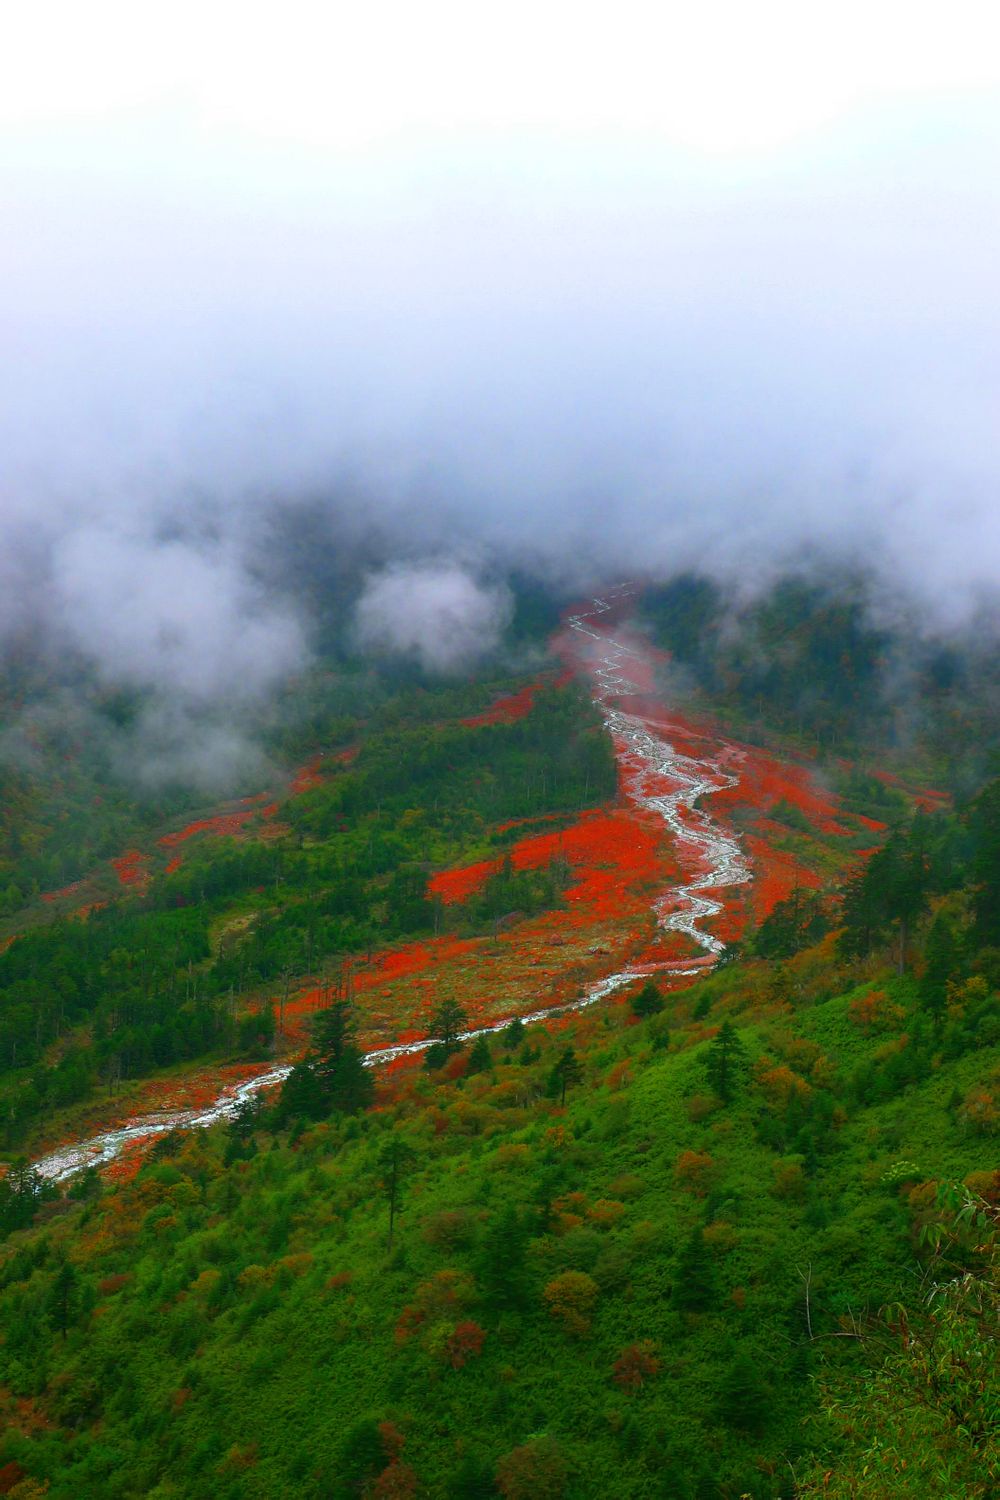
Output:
x=806 y=1279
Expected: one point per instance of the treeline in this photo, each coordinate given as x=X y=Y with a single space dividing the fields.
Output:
x=925 y=860
x=814 y=659
x=556 y=757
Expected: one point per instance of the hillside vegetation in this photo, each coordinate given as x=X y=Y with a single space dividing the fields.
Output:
x=710 y=1238
x=628 y=1256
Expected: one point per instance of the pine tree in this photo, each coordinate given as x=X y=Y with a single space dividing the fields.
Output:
x=694 y=1286
x=302 y=1094
x=331 y=1030
x=984 y=823
x=63 y=1298
x=725 y=1061
x=941 y=956
x=648 y=1002
x=350 y=1085
x=447 y=1024
x=394 y=1159
x=480 y=1058
x=566 y=1071
x=503 y=1263
x=743 y=1396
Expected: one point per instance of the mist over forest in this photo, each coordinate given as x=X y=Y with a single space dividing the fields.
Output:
x=499 y=751
x=245 y=373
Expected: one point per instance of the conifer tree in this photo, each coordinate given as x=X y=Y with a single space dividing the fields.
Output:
x=63 y=1297
x=480 y=1058
x=502 y=1271
x=694 y=1286
x=743 y=1396
x=566 y=1071
x=940 y=962
x=394 y=1160
x=725 y=1061
x=648 y=1002
x=447 y=1024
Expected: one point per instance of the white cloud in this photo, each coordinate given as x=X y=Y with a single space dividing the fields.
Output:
x=438 y=613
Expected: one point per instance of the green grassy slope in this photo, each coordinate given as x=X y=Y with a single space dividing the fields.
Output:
x=605 y=1298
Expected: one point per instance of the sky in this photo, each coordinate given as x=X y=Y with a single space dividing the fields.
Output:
x=598 y=290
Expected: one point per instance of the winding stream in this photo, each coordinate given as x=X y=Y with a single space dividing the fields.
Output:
x=650 y=761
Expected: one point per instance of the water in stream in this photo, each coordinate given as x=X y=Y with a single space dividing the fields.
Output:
x=710 y=851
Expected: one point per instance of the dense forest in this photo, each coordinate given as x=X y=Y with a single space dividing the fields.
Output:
x=837 y=668
x=161 y=977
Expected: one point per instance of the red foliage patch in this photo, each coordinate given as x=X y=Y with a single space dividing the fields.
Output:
x=608 y=852
x=515 y=705
x=88 y=906
x=67 y=890
x=129 y=867
x=226 y=825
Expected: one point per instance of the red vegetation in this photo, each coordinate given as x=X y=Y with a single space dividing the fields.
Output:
x=636 y=1364
x=925 y=797
x=10 y=1475
x=776 y=875
x=126 y=1166
x=67 y=890
x=173 y=864
x=515 y=705
x=129 y=867
x=609 y=854
x=308 y=776
x=465 y=1342
x=874 y=1011
x=88 y=906
x=226 y=825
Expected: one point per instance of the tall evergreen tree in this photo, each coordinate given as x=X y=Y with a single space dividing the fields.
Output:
x=694 y=1287
x=941 y=955
x=725 y=1062
x=743 y=1396
x=648 y=1002
x=566 y=1071
x=63 y=1298
x=502 y=1271
x=394 y=1160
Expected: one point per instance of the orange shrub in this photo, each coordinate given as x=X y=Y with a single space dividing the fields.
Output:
x=636 y=1364
x=696 y=1171
x=571 y=1299
x=876 y=1012
x=465 y=1342
x=111 y=1284
x=253 y=1278
x=605 y=1213
x=620 y=1075
x=780 y=1085
x=789 y=1180
x=720 y=1236
x=980 y=1111
x=397 y=1482
x=535 y=1471
x=984 y=1185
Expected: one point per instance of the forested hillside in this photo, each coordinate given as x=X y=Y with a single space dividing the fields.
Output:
x=720 y=1221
